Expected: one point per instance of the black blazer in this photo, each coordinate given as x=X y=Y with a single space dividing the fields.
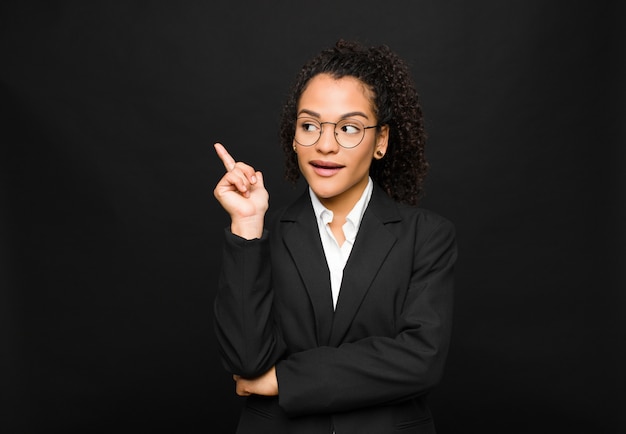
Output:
x=362 y=368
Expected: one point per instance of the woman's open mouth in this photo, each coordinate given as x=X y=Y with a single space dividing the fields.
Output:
x=325 y=168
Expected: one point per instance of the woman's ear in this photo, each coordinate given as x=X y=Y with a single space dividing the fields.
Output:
x=382 y=139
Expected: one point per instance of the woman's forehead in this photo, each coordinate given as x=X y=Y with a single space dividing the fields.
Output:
x=327 y=93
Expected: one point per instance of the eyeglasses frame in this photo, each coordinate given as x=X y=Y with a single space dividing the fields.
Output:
x=335 y=133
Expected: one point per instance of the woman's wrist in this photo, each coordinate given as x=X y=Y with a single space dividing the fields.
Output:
x=247 y=227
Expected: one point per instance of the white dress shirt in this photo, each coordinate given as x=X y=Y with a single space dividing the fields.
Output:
x=337 y=256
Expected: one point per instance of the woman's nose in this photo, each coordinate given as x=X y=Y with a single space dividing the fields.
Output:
x=327 y=141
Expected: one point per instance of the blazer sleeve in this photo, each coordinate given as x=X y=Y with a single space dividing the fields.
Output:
x=249 y=340
x=382 y=370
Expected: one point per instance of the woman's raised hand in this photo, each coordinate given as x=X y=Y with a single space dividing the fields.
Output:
x=242 y=194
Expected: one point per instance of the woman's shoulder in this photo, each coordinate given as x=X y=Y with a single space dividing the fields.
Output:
x=425 y=224
x=388 y=209
x=424 y=215
x=289 y=210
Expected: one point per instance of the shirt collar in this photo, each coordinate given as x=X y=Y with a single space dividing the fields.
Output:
x=354 y=217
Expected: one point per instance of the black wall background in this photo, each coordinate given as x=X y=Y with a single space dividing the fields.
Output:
x=110 y=236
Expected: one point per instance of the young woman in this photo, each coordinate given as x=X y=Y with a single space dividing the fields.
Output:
x=334 y=315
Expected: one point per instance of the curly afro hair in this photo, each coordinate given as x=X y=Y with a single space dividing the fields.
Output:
x=402 y=171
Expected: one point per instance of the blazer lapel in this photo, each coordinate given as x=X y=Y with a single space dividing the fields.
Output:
x=370 y=249
x=302 y=239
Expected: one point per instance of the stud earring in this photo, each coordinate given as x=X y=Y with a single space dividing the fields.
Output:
x=380 y=153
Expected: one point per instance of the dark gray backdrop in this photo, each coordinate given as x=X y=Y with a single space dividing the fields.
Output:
x=110 y=237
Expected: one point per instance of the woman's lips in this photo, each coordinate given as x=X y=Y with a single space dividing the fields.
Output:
x=325 y=168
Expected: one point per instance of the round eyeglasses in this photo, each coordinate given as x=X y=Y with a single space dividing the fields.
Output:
x=349 y=133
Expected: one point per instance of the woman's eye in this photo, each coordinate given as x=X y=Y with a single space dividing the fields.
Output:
x=309 y=127
x=350 y=129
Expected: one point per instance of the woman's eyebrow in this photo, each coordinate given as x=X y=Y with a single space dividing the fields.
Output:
x=349 y=115
x=344 y=116
x=309 y=112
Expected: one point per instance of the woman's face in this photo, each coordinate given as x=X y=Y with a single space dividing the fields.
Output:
x=338 y=175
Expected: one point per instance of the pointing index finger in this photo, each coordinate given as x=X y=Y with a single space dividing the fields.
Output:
x=229 y=162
